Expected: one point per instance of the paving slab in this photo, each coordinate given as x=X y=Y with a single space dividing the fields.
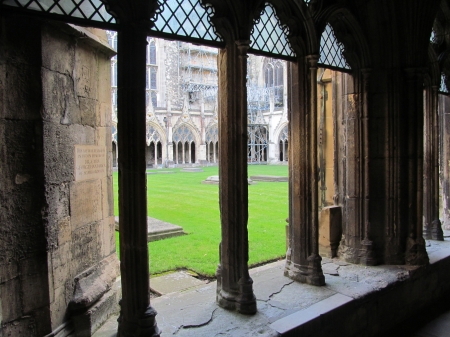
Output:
x=174 y=282
x=268 y=178
x=345 y=304
x=158 y=229
x=160 y=172
x=192 y=169
x=214 y=180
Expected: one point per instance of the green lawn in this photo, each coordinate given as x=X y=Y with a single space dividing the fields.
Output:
x=182 y=199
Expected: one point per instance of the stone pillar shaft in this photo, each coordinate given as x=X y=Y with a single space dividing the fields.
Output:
x=367 y=253
x=234 y=285
x=431 y=223
x=302 y=260
x=415 y=245
x=137 y=317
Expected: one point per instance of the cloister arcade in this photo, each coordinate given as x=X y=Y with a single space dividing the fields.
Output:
x=390 y=146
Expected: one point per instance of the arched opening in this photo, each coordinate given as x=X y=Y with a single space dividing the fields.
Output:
x=193 y=152
x=150 y=155
x=114 y=154
x=159 y=152
x=180 y=153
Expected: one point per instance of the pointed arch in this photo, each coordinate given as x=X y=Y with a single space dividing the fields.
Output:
x=348 y=33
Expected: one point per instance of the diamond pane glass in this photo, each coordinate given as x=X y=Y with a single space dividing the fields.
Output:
x=186 y=18
x=443 y=89
x=331 y=50
x=90 y=10
x=268 y=35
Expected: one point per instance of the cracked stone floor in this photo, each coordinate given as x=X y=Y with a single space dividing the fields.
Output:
x=193 y=311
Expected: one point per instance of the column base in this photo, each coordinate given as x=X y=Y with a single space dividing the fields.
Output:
x=367 y=254
x=416 y=253
x=309 y=274
x=243 y=301
x=144 y=326
x=436 y=230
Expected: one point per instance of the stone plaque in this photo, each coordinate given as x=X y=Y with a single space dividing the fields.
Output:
x=85 y=202
x=90 y=162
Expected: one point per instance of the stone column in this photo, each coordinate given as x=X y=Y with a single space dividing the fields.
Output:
x=431 y=223
x=415 y=246
x=367 y=253
x=216 y=154
x=436 y=233
x=303 y=262
x=444 y=117
x=188 y=161
x=234 y=285
x=137 y=317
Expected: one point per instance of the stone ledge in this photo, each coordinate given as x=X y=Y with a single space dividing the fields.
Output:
x=358 y=301
x=158 y=230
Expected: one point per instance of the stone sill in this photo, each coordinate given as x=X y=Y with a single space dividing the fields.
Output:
x=356 y=301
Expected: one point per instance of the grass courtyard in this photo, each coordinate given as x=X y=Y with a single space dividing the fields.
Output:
x=182 y=199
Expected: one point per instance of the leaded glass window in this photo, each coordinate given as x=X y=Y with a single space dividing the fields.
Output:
x=152 y=78
x=183 y=134
x=186 y=18
x=212 y=134
x=151 y=51
x=152 y=135
x=273 y=77
x=332 y=51
x=89 y=10
x=284 y=134
x=269 y=36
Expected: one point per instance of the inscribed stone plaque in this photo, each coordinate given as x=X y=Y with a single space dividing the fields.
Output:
x=85 y=202
x=90 y=162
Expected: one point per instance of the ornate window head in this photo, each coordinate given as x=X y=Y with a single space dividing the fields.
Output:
x=332 y=51
x=183 y=134
x=86 y=10
x=269 y=36
x=186 y=18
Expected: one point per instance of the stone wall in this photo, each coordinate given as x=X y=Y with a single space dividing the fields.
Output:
x=57 y=237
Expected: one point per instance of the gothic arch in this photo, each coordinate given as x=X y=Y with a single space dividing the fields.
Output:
x=349 y=33
x=296 y=17
x=184 y=137
x=155 y=133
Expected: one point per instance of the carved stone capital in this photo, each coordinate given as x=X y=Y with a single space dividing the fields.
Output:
x=312 y=61
x=136 y=13
x=243 y=46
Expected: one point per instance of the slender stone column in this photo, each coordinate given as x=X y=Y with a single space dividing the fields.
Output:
x=188 y=161
x=415 y=246
x=137 y=317
x=436 y=225
x=427 y=164
x=234 y=285
x=303 y=262
x=367 y=253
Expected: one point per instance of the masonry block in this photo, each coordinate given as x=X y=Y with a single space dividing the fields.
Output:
x=330 y=230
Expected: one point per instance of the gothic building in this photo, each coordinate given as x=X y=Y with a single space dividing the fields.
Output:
x=371 y=141
x=181 y=100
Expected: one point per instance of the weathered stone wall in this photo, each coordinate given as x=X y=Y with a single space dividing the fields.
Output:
x=444 y=114
x=57 y=233
x=23 y=253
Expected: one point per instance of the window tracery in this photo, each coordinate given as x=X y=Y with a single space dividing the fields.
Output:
x=332 y=51
x=269 y=35
x=183 y=134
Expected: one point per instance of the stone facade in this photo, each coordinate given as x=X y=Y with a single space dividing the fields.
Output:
x=57 y=232
x=184 y=88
